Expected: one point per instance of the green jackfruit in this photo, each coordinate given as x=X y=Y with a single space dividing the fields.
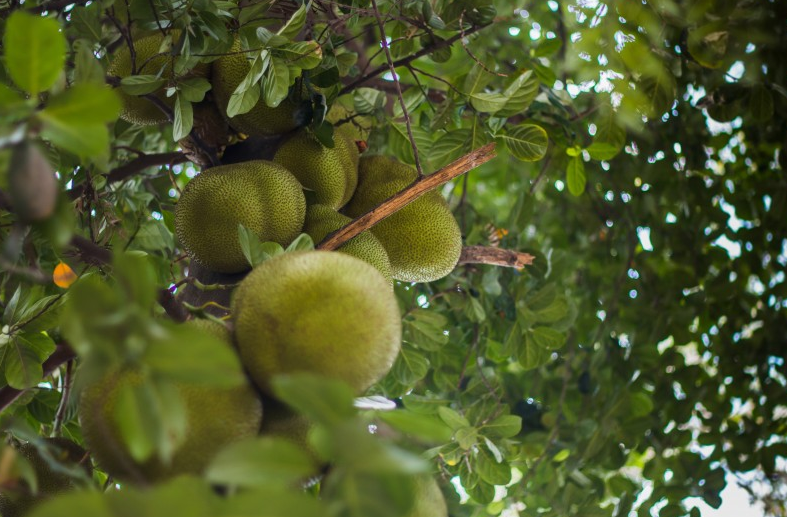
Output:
x=329 y=174
x=262 y=120
x=150 y=61
x=320 y=312
x=422 y=239
x=356 y=125
x=215 y=417
x=261 y=195
x=322 y=220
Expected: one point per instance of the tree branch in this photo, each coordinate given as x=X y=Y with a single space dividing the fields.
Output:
x=409 y=59
x=134 y=166
x=61 y=355
x=414 y=191
x=495 y=257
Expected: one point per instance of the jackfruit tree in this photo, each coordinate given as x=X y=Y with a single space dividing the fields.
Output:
x=392 y=258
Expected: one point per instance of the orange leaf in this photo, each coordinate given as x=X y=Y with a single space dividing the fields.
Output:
x=64 y=276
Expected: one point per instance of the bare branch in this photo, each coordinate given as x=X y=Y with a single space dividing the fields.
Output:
x=401 y=199
x=495 y=257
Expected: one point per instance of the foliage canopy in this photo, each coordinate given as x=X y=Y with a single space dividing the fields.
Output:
x=635 y=364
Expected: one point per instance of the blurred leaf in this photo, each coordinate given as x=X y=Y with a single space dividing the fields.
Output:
x=35 y=51
x=575 y=176
x=322 y=400
x=260 y=462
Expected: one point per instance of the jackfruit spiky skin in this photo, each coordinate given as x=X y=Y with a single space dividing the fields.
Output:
x=50 y=482
x=423 y=239
x=330 y=175
x=262 y=120
x=139 y=110
x=261 y=195
x=215 y=417
x=322 y=220
x=320 y=312
x=429 y=499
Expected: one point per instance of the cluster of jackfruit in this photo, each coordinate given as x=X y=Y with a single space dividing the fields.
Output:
x=332 y=314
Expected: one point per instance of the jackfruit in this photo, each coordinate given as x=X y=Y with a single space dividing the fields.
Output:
x=422 y=239
x=322 y=220
x=215 y=417
x=261 y=195
x=66 y=454
x=328 y=174
x=150 y=61
x=262 y=120
x=320 y=312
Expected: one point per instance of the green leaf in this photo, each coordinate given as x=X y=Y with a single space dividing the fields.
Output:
x=532 y=354
x=270 y=39
x=410 y=367
x=302 y=242
x=9 y=313
x=422 y=426
x=260 y=462
x=22 y=364
x=277 y=82
x=303 y=54
x=85 y=140
x=141 y=84
x=452 y=419
x=183 y=117
x=490 y=470
x=88 y=103
x=256 y=252
x=449 y=147
x=136 y=418
x=504 y=426
x=466 y=437
x=527 y=142
x=295 y=23
x=326 y=401
x=488 y=102
x=367 y=100
x=35 y=51
x=193 y=89
x=548 y=338
x=575 y=176
x=209 y=360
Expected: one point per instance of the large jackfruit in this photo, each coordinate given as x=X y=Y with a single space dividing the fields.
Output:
x=215 y=417
x=261 y=195
x=330 y=175
x=422 y=239
x=322 y=220
x=263 y=120
x=317 y=311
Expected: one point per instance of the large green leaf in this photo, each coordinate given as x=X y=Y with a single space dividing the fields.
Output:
x=528 y=142
x=35 y=51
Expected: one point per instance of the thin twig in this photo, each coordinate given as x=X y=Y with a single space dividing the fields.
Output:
x=134 y=166
x=495 y=257
x=409 y=59
x=395 y=77
x=64 y=396
x=408 y=195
